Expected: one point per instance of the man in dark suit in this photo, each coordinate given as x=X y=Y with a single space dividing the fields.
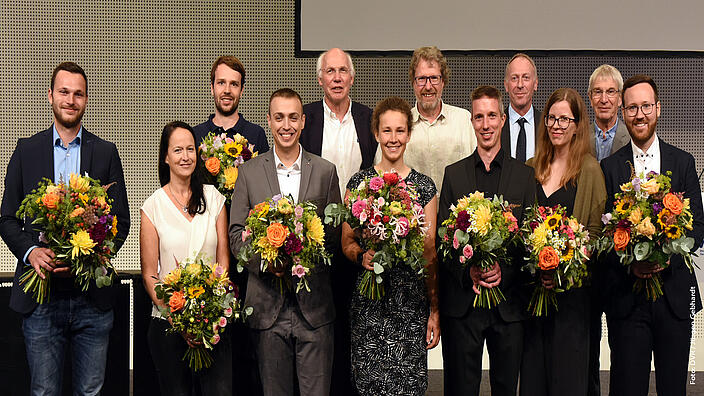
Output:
x=69 y=317
x=605 y=85
x=490 y=170
x=638 y=327
x=293 y=330
x=338 y=130
x=519 y=134
x=227 y=77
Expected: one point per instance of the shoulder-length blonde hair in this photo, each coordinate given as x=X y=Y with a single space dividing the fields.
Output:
x=578 y=147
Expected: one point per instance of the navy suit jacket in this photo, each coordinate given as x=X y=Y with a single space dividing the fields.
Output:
x=312 y=134
x=678 y=281
x=32 y=160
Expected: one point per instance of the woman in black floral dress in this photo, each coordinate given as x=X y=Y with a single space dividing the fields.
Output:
x=391 y=336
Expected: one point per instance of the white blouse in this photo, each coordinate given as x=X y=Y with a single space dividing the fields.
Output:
x=180 y=238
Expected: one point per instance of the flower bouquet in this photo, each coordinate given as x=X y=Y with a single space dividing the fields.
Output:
x=285 y=235
x=221 y=156
x=557 y=244
x=201 y=302
x=76 y=224
x=649 y=224
x=478 y=233
x=385 y=208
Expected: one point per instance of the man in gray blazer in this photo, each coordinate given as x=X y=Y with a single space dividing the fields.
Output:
x=610 y=134
x=290 y=329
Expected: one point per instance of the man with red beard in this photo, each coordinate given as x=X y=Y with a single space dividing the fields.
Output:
x=442 y=134
x=70 y=319
x=227 y=77
x=640 y=328
x=518 y=136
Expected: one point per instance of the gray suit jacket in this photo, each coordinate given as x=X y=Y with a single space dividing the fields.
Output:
x=258 y=182
x=621 y=138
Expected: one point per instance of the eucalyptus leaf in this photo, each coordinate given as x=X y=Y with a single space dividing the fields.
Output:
x=378 y=269
x=642 y=250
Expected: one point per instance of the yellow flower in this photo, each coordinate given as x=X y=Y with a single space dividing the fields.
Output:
x=78 y=183
x=539 y=237
x=646 y=228
x=195 y=291
x=101 y=200
x=624 y=205
x=261 y=209
x=476 y=196
x=626 y=187
x=193 y=269
x=673 y=232
x=462 y=204
x=173 y=276
x=233 y=149
x=635 y=216
x=84 y=198
x=230 y=174
x=316 y=233
x=53 y=189
x=239 y=139
x=114 y=226
x=395 y=208
x=568 y=256
x=77 y=212
x=574 y=224
x=284 y=206
x=552 y=221
x=483 y=219
x=82 y=244
x=267 y=251
x=651 y=186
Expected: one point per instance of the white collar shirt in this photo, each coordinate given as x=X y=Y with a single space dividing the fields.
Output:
x=289 y=177
x=529 y=126
x=648 y=161
x=340 y=144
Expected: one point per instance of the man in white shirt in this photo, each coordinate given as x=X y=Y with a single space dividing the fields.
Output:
x=337 y=128
x=520 y=132
x=442 y=134
x=638 y=327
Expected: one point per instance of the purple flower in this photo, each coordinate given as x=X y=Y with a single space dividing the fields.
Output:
x=299 y=271
x=298 y=211
x=463 y=220
x=376 y=183
x=657 y=207
x=298 y=227
x=636 y=184
x=277 y=197
x=606 y=218
x=292 y=245
x=98 y=233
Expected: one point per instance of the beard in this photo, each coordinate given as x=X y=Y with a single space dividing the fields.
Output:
x=231 y=110
x=67 y=121
x=430 y=106
x=641 y=138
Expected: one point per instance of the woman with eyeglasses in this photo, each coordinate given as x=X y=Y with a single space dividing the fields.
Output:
x=556 y=347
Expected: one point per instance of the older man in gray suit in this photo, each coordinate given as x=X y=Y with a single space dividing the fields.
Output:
x=293 y=329
x=610 y=134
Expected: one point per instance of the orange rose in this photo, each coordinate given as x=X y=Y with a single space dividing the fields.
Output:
x=548 y=258
x=621 y=238
x=50 y=200
x=673 y=203
x=177 y=301
x=276 y=233
x=212 y=164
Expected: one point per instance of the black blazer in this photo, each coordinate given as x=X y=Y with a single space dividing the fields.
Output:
x=678 y=281
x=32 y=160
x=506 y=130
x=312 y=133
x=517 y=185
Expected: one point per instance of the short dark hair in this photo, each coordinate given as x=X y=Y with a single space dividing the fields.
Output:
x=231 y=62
x=70 y=67
x=196 y=204
x=487 y=91
x=635 y=80
x=392 y=103
x=285 y=93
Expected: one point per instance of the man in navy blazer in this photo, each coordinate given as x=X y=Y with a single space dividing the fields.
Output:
x=638 y=327
x=70 y=317
x=338 y=130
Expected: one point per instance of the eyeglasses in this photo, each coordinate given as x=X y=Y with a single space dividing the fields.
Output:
x=646 y=108
x=422 y=80
x=562 y=122
x=610 y=93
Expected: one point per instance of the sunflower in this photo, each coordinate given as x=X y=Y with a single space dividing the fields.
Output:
x=233 y=149
x=673 y=232
x=624 y=205
x=568 y=256
x=553 y=221
x=665 y=219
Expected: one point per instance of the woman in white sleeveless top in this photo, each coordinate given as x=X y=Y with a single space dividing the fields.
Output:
x=181 y=219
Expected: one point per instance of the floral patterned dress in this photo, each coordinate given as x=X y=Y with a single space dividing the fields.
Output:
x=389 y=354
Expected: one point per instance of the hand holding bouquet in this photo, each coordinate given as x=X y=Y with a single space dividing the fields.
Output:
x=557 y=246
x=385 y=209
x=200 y=301
x=477 y=233
x=288 y=236
x=221 y=156
x=76 y=224
x=648 y=224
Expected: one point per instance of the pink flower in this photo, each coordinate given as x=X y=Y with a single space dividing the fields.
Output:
x=222 y=322
x=298 y=211
x=358 y=207
x=298 y=227
x=215 y=327
x=363 y=217
x=380 y=201
x=219 y=270
x=228 y=312
x=467 y=251
x=455 y=241
x=376 y=183
x=462 y=259
x=229 y=140
x=402 y=227
x=585 y=251
x=215 y=339
x=246 y=233
x=299 y=271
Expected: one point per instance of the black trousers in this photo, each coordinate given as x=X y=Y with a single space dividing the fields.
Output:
x=650 y=328
x=175 y=377
x=556 y=348
x=462 y=347
x=595 y=313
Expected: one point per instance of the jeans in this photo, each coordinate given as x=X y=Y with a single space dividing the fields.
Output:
x=67 y=320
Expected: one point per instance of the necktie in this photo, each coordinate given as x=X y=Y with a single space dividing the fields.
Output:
x=521 y=144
